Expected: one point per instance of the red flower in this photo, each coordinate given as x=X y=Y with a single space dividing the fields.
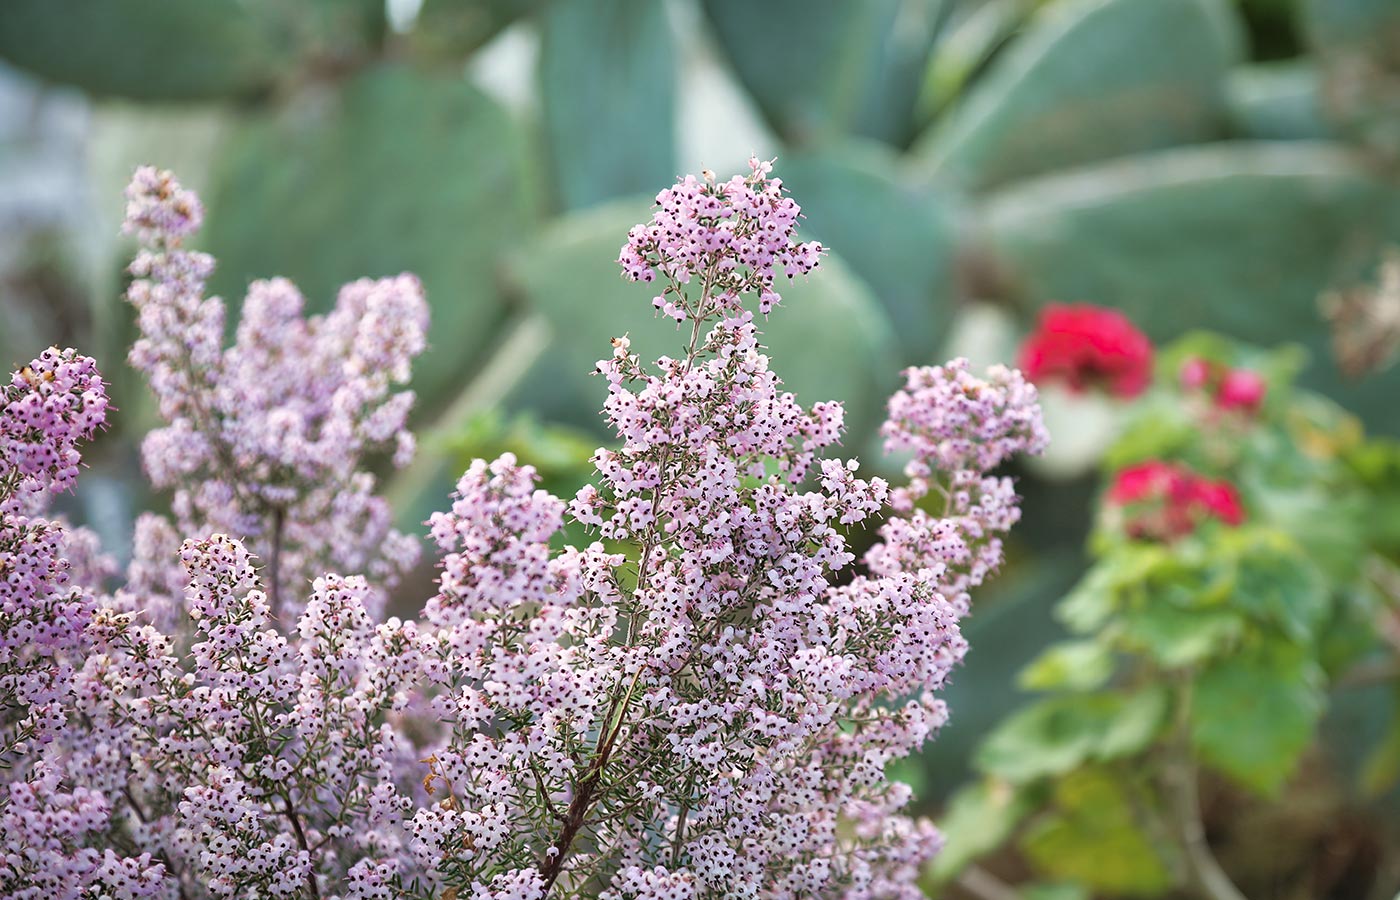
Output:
x=1088 y=346
x=1169 y=501
x=1232 y=389
x=1241 y=389
x=1221 y=500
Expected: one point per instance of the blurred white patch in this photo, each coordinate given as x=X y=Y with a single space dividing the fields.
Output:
x=506 y=67
x=984 y=334
x=402 y=14
x=1082 y=426
x=718 y=127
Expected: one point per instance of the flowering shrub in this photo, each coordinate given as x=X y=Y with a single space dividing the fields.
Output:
x=1203 y=636
x=706 y=712
x=1087 y=346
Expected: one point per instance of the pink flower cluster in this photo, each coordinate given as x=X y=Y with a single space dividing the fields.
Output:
x=46 y=409
x=702 y=703
x=267 y=438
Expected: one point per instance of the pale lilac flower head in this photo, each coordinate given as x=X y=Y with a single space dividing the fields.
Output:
x=268 y=438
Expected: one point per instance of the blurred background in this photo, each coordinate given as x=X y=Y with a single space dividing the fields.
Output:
x=1222 y=164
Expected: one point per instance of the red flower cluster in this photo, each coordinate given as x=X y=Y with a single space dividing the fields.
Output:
x=1233 y=389
x=1169 y=500
x=1088 y=346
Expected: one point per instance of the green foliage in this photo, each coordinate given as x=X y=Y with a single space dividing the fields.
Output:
x=1059 y=734
x=451 y=29
x=899 y=238
x=403 y=172
x=1278 y=101
x=1089 y=80
x=1252 y=715
x=979 y=818
x=1237 y=238
x=185 y=50
x=830 y=67
x=607 y=85
x=1093 y=835
x=829 y=333
x=1212 y=648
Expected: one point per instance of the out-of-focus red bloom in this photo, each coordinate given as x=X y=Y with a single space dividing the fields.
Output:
x=1164 y=501
x=1241 y=389
x=1088 y=346
x=1231 y=389
x=1195 y=372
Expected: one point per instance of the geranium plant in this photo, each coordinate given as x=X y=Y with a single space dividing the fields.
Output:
x=1203 y=637
x=707 y=711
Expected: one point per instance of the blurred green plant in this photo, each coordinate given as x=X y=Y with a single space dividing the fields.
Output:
x=1195 y=643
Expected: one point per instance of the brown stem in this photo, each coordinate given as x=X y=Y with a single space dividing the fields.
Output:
x=305 y=845
x=1184 y=806
x=983 y=885
x=274 y=563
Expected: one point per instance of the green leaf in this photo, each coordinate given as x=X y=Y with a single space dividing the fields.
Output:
x=1238 y=238
x=839 y=68
x=607 y=87
x=828 y=339
x=452 y=29
x=1060 y=734
x=404 y=172
x=184 y=50
x=1176 y=637
x=1094 y=838
x=1275 y=583
x=1071 y=665
x=899 y=238
x=1252 y=716
x=1381 y=770
x=1278 y=101
x=1089 y=80
x=979 y=819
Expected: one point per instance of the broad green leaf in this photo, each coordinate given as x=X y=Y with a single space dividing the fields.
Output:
x=1071 y=665
x=1176 y=637
x=978 y=820
x=1253 y=715
x=183 y=50
x=1094 y=837
x=836 y=67
x=1089 y=80
x=607 y=87
x=1381 y=770
x=403 y=172
x=1239 y=238
x=1275 y=583
x=899 y=238
x=828 y=339
x=1278 y=101
x=452 y=29
x=1135 y=725
x=1059 y=734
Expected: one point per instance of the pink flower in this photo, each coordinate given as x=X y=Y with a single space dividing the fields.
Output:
x=1088 y=346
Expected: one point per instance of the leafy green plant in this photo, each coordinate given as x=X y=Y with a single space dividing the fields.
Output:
x=1204 y=636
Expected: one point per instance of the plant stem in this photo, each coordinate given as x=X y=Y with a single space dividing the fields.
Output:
x=983 y=885
x=1184 y=806
x=274 y=564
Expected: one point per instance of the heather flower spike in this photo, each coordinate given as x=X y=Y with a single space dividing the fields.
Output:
x=703 y=707
x=266 y=439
